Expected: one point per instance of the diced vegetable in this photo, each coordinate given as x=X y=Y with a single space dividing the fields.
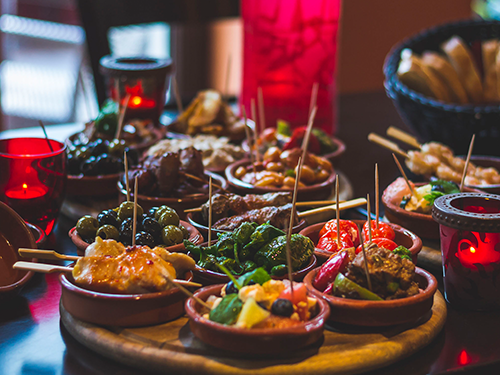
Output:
x=251 y=314
x=345 y=286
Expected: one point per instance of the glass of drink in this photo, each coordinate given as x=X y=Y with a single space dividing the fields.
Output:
x=33 y=179
x=288 y=47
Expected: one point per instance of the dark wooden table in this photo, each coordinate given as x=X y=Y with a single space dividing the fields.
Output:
x=32 y=340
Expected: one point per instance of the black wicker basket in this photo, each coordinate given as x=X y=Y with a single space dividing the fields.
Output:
x=448 y=123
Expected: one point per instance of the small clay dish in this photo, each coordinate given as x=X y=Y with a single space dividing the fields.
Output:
x=486 y=162
x=194 y=236
x=178 y=204
x=207 y=277
x=318 y=191
x=262 y=341
x=122 y=310
x=38 y=234
x=380 y=313
x=196 y=219
x=14 y=233
x=422 y=225
x=403 y=237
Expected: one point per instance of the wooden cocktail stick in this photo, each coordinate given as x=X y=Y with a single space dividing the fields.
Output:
x=256 y=130
x=193 y=177
x=314 y=97
x=290 y=225
x=375 y=138
x=52 y=268
x=228 y=75
x=403 y=137
x=337 y=212
x=298 y=204
x=249 y=140
x=342 y=206
x=187 y=292
x=121 y=117
x=46 y=136
x=177 y=94
x=403 y=174
x=260 y=104
x=466 y=166
x=84 y=92
x=305 y=142
x=210 y=211
x=127 y=183
x=45 y=254
x=134 y=217
x=365 y=260
x=369 y=218
x=377 y=197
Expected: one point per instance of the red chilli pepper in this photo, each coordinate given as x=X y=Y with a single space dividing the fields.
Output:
x=380 y=242
x=384 y=230
x=329 y=271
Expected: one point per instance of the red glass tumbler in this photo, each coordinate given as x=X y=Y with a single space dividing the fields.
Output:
x=144 y=79
x=288 y=46
x=33 y=179
x=470 y=248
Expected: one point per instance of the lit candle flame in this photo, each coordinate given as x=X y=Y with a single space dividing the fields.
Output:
x=136 y=100
x=472 y=250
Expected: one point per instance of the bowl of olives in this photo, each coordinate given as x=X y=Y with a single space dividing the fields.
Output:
x=159 y=226
x=94 y=167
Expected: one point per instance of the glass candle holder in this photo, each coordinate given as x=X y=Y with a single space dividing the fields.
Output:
x=33 y=179
x=469 y=225
x=143 y=78
x=288 y=47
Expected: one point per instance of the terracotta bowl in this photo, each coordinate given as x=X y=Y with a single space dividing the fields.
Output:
x=380 y=313
x=331 y=156
x=253 y=341
x=194 y=236
x=403 y=237
x=122 y=310
x=307 y=193
x=38 y=234
x=207 y=277
x=102 y=185
x=178 y=204
x=421 y=224
x=196 y=219
x=14 y=233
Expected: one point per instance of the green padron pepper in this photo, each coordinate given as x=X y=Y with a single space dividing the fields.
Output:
x=274 y=253
x=243 y=233
x=231 y=265
x=262 y=235
x=225 y=245
x=279 y=270
x=248 y=266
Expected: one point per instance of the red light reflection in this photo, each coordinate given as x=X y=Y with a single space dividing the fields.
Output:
x=464 y=358
x=47 y=305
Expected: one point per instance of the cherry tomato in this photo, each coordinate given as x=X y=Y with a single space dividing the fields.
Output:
x=328 y=242
x=384 y=230
x=381 y=242
x=345 y=226
x=329 y=271
x=299 y=295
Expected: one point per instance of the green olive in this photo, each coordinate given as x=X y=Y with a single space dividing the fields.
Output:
x=171 y=235
x=127 y=210
x=169 y=218
x=185 y=232
x=87 y=226
x=161 y=210
x=108 y=232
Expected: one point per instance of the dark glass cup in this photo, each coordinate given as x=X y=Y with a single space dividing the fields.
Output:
x=33 y=179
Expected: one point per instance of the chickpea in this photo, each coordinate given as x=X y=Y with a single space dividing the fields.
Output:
x=289 y=181
x=240 y=172
x=278 y=178
x=306 y=175
x=324 y=164
x=266 y=181
x=321 y=175
x=275 y=166
x=272 y=154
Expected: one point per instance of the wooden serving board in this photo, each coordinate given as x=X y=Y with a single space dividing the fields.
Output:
x=172 y=347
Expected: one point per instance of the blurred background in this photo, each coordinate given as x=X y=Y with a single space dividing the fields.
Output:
x=50 y=48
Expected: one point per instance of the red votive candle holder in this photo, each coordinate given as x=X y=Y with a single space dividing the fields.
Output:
x=470 y=246
x=33 y=179
x=143 y=79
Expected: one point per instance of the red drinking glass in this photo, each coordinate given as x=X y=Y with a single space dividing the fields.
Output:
x=288 y=46
x=33 y=179
x=144 y=79
x=470 y=247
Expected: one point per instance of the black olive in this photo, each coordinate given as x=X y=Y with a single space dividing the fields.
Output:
x=152 y=212
x=151 y=226
x=73 y=164
x=145 y=239
x=99 y=147
x=404 y=202
x=231 y=288
x=282 y=307
x=126 y=231
x=108 y=217
x=438 y=188
x=88 y=165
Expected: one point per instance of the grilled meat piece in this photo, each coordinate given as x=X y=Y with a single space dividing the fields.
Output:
x=391 y=276
x=191 y=161
x=168 y=172
x=277 y=216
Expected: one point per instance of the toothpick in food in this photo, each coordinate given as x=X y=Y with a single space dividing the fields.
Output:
x=466 y=166
x=403 y=174
x=134 y=218
x=210 y=211
x=377 y=197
